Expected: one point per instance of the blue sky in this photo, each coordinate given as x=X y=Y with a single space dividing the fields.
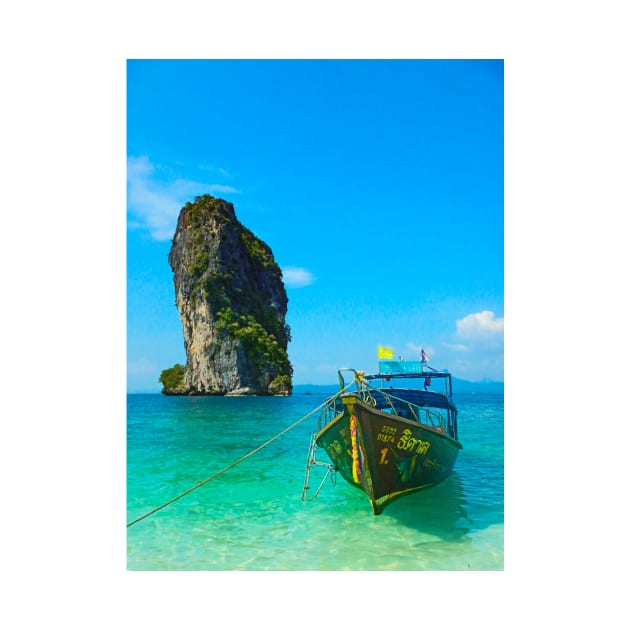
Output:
x=378 y=184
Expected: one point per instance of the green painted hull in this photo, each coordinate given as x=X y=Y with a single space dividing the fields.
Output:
x=384 y=455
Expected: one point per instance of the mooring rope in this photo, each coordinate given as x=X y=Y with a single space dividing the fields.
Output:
x=240 y=459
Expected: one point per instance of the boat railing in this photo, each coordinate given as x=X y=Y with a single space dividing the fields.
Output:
x=333 y=407
x=409 y=410
x=331 y=410
x=369 y=394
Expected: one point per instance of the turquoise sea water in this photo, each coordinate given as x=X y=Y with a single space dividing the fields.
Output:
x=252 y=517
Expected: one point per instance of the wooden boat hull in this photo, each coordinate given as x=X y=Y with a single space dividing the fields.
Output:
x=384 y=455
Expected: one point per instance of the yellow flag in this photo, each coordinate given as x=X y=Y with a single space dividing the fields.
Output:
x=385 y=353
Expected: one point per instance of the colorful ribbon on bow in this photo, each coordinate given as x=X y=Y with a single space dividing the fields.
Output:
x=356 y=461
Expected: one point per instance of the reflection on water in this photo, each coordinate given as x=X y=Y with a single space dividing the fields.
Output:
x=439 y=510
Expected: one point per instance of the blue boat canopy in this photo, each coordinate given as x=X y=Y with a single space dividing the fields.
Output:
x=416 y=368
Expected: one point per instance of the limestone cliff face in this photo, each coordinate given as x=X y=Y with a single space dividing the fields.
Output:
x=232 y=303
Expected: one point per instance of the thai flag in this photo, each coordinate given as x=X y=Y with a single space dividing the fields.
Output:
x=424 y=357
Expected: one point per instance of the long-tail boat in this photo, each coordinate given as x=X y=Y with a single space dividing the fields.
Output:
x=393 y=434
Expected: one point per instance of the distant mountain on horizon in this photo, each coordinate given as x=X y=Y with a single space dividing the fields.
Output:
x=486 y=386
x=460 y=386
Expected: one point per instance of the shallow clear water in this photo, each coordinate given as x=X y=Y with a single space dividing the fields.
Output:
x=252 y=516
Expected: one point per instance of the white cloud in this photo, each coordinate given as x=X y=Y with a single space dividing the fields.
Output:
x=220 y=188
x=457 y=347
x=327 y=368
x=481 y=329
x=156 y=204
x=214 y=169
x=296 y=277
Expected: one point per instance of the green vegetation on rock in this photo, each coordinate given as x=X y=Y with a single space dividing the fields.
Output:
x=173 y=378
x=280 y=384
x=262 y=343
x=257 y=250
